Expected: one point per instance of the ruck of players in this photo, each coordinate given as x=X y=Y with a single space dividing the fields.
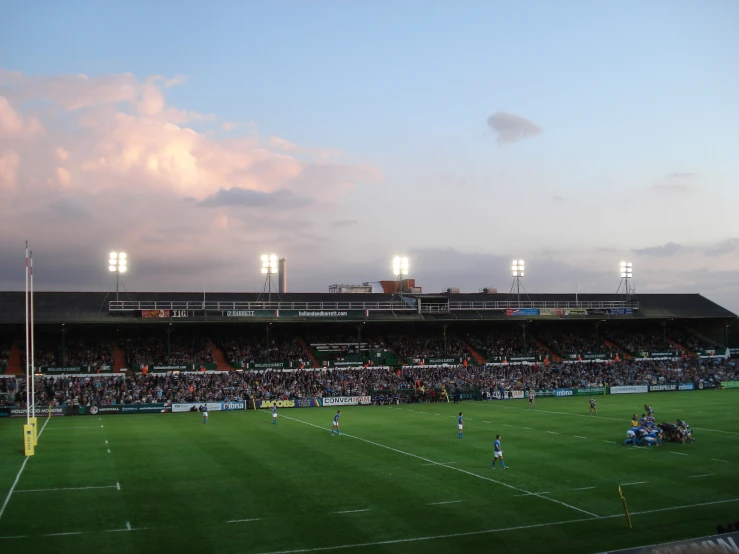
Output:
x=644 y=430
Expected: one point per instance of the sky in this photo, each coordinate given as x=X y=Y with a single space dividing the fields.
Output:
x=197 y=136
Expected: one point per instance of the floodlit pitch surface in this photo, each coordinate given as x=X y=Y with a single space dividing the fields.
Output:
x=398 y=479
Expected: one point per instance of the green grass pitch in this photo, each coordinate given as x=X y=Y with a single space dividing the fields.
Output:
x=398 y=480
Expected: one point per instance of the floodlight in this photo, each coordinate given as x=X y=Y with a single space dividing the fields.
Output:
x=111 y=268
x=626 y=270
x=401 y=266
x=113 y=255
x=122 y=255
x=517 y=268
x=269 y=264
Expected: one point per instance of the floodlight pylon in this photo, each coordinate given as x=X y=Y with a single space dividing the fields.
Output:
x=626 y=272
x=117 y=263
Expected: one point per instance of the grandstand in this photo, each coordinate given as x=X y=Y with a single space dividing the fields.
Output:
x=235 y=331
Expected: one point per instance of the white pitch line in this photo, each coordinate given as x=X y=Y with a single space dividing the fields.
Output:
x=70 y=489
x=698 y=476
x=634 y=483
x=679 y=453
x=555 y=492
x=108 y=450
x=716 y=431
x=244 y=520
x=118 y=485
x=449 y=467
x=63 y=534
x=17 y=477
x=610 y=442
x=352 y=511
x=717 y=460
x=78 y=427
x=436 y=464
x=106 y=442
x=563 y=413
x=527 y=428
x=445 y=502
x=128 y=526
x=15 y=537
x=486 y=531
x=579 y=437
x=553 y=432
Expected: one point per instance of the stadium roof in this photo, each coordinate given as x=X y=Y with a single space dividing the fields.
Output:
x=92 y=307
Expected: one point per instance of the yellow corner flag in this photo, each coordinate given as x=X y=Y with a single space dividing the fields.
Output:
x=626 y=508
x=28 y=440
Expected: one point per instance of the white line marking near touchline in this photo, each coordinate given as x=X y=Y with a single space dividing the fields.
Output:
x=445 y=502
x=15 y=537
x=128 y=525
x=554 y=492
x=634 y=483
x=436 y=464
x=579 y=437
x=449 y=467
x=118 y=485
x=63 y=534
x=17 y=477
x=717 y=460
x=71 y=488
x=698 y=476
x=679 y=453
x=352 y=511
x=244 y=520
x=108 y=450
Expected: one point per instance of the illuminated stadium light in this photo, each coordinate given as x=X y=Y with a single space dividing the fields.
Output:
x=517 y=268
x=117 y=263
x=401 y=266
x=269 y=264
x=626 y=270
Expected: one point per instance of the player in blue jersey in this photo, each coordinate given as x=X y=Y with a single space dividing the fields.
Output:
x=336 y=424
x=498 y=452
x=274 y=415
x=460 y=425
x=205 y=413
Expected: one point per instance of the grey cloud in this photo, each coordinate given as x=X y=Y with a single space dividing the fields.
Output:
x=279 y=200
x=345 y=223
x=681 y=175
x=663 y=251
x=511 y=127
x=672 y=187
x=725 y=247
x=69 y=208
x=557 y=198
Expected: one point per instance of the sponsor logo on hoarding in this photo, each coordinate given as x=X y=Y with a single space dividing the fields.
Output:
x=40 y=411
x=563 y=392
x=620 y=311
x=636 y=389
x=686 y=386
x=145 y=408
x=155 y=314
x=346 y=400
x=522 y=311
x=730 y=384
x=93 y=410
x=234 y=406
x=109 y=410
x=240 y=313
x=278 y=403
x=516 y=394
x=660 y=388
x=307 y=403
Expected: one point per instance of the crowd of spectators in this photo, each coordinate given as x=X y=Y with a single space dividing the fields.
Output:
x=688 y=341
x=505 y=344
x=238 y=385
x=419 y=346
x=574 y=343
x=153 y=350
x=245 y=349
x=74 y=353
x=636 y=342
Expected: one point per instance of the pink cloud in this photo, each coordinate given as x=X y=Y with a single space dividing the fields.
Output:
x=107 y=162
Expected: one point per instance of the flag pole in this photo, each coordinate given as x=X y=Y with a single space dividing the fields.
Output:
x=28 y=358
x=33 y=347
